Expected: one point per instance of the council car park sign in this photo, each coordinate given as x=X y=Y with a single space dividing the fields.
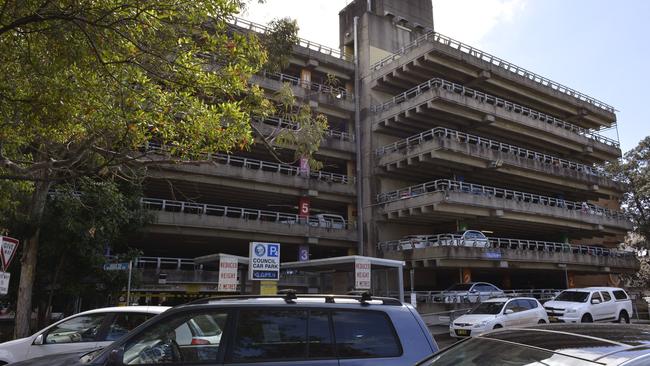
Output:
x=264 y=262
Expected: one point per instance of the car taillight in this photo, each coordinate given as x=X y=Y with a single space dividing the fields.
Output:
x=199 y=342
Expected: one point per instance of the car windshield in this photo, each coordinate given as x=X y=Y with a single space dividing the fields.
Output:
x=460 y=287
x=488 y=308
x=487 y=352
x=573 y=296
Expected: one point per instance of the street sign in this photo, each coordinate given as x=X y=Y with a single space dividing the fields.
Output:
x=8 y=248
x=4 y=283
x=227 y=274
x=264 y=262
x=362 y=274
x=116 y=266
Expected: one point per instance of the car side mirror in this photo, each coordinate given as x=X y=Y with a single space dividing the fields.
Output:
x=116 y=357
x=39 y=340
x=595 y=301
x=473 y=291
x=508 y=311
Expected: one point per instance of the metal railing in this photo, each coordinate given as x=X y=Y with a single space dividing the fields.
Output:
x=447 y=185
x=268 y=166
x=460 y=297
x=165 y=263
x=435 y=37
x=259 y=28
x=334 y=92
x=283 y=123
x=481 y=97
x=441 y=132
x=440 y=240
x=324 y=221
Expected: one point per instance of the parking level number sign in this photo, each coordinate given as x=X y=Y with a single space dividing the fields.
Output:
x=264 y=261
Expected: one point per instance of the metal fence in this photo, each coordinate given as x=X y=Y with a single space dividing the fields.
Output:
x=447 y=297
x=324 y=221
x=268 y=166
x=440 y=133
x=438 y=240
x=259 y=28
x=334 y=92
x=437 y=83
x=448 y=185
x=288 y=124
x=434 y=37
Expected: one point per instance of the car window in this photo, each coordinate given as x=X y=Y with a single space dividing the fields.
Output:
x=523 y=305
x=512 y=305
x=270 y=335
x=606 y=296
x=485 y=288
x=365 y=334
x=532 y=304
x=620 y=295
x=573 y=296
x=175 y=340
x=321 y=342
x=596 y=296
x=124 y=323
x=83 y=328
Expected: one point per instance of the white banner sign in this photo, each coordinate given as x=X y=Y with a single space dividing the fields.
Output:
x=264 y=262
x=362 y=274
x=4 y=283
x=227 y=274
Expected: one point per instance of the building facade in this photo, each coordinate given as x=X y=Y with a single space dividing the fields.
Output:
x=465 y=166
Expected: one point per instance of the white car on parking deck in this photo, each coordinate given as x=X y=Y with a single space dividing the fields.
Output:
x=498 y=313
x=590 y=304
x=84 y=331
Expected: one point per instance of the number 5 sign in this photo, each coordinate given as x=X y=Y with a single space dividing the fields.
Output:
x=8 y=248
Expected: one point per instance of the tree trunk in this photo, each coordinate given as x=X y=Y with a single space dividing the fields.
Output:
x=28 y=260
x=55 y=280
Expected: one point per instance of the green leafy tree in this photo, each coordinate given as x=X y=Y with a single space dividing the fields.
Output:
x=279 y=42
x=86 y=85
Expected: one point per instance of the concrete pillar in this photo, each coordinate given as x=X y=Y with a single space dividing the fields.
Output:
x=305 y=77
x=571 y=279
x=507 y=281
x=467 y=275
x=340 y=283
x=351 y=168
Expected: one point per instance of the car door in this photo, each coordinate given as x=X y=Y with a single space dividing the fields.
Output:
x=75 y=334
x=599 y=311
x=510 y=316
x=609 y=306
x=529 y=312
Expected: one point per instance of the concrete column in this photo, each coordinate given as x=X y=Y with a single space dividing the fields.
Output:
x=305 y=76
x=351 y=168
x=340 y=283
x=507 y=281
x=467 y=275
x=571 y=279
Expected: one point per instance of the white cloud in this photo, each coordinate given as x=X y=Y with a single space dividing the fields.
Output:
x=470 y=20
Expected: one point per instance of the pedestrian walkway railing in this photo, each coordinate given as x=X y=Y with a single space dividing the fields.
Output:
x=466 y=297
x=456 y=240
x=325 y=221
x=448 y=185
x=288 y=124
x=434 y=37
x=462 y=137
x=268 y=166
x=165 y=263
x=262 y=29
x=335 y=92
x=437 y=83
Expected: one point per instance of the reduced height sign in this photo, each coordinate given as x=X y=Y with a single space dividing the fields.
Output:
x=264 y=262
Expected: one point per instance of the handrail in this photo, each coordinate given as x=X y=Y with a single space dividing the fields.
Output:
x=493 y=100
x=426 y=241
x=286 y=169
x=283 y=123
x=444 y=296
x=448 y=185
x=179 y=263
x=335 y=92
x=441 y=132
x=436 y=37
x=259 y=28
x=325 y=221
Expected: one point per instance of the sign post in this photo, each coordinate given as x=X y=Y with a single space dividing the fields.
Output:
x=362 y=274
x=264 y=266
x=227 y=274
x=4 y=283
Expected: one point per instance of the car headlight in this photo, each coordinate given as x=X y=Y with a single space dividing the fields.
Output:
x=481 y=324
x=571 y=311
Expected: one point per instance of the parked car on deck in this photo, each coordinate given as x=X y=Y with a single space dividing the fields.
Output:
x=80 y=332
x=591 y=304
x=498 y=313
x=469 y=292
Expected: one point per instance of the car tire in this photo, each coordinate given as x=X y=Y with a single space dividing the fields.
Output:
x=586 y=318
x=541 y=321
x=497 y=326
x=623 y=317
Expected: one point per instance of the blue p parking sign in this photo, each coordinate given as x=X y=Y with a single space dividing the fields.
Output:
x=264 y=261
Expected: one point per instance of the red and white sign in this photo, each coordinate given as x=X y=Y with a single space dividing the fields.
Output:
x=8 y=248
x=303 y=206
x=4 y=283
x=362 y=274
x=227 y=274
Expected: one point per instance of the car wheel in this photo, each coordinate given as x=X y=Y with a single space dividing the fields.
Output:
x=587 y=319
x=541 y=321
x=497 y=326
x=623 y=317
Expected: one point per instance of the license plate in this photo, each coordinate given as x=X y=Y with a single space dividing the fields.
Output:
x=552 y=318
x=462 y=332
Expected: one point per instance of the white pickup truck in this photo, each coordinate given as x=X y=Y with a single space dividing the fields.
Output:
x=591 y=304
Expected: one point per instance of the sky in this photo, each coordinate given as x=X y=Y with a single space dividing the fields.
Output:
x=598 y=47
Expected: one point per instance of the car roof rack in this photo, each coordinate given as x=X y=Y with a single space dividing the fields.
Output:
x=292 y=296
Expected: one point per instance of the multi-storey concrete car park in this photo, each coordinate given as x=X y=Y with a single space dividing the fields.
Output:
x=449 y=138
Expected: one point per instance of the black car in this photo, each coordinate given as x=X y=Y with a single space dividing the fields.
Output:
x=557 y=344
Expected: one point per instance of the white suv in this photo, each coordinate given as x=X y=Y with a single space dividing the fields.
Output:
x=586 y=305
